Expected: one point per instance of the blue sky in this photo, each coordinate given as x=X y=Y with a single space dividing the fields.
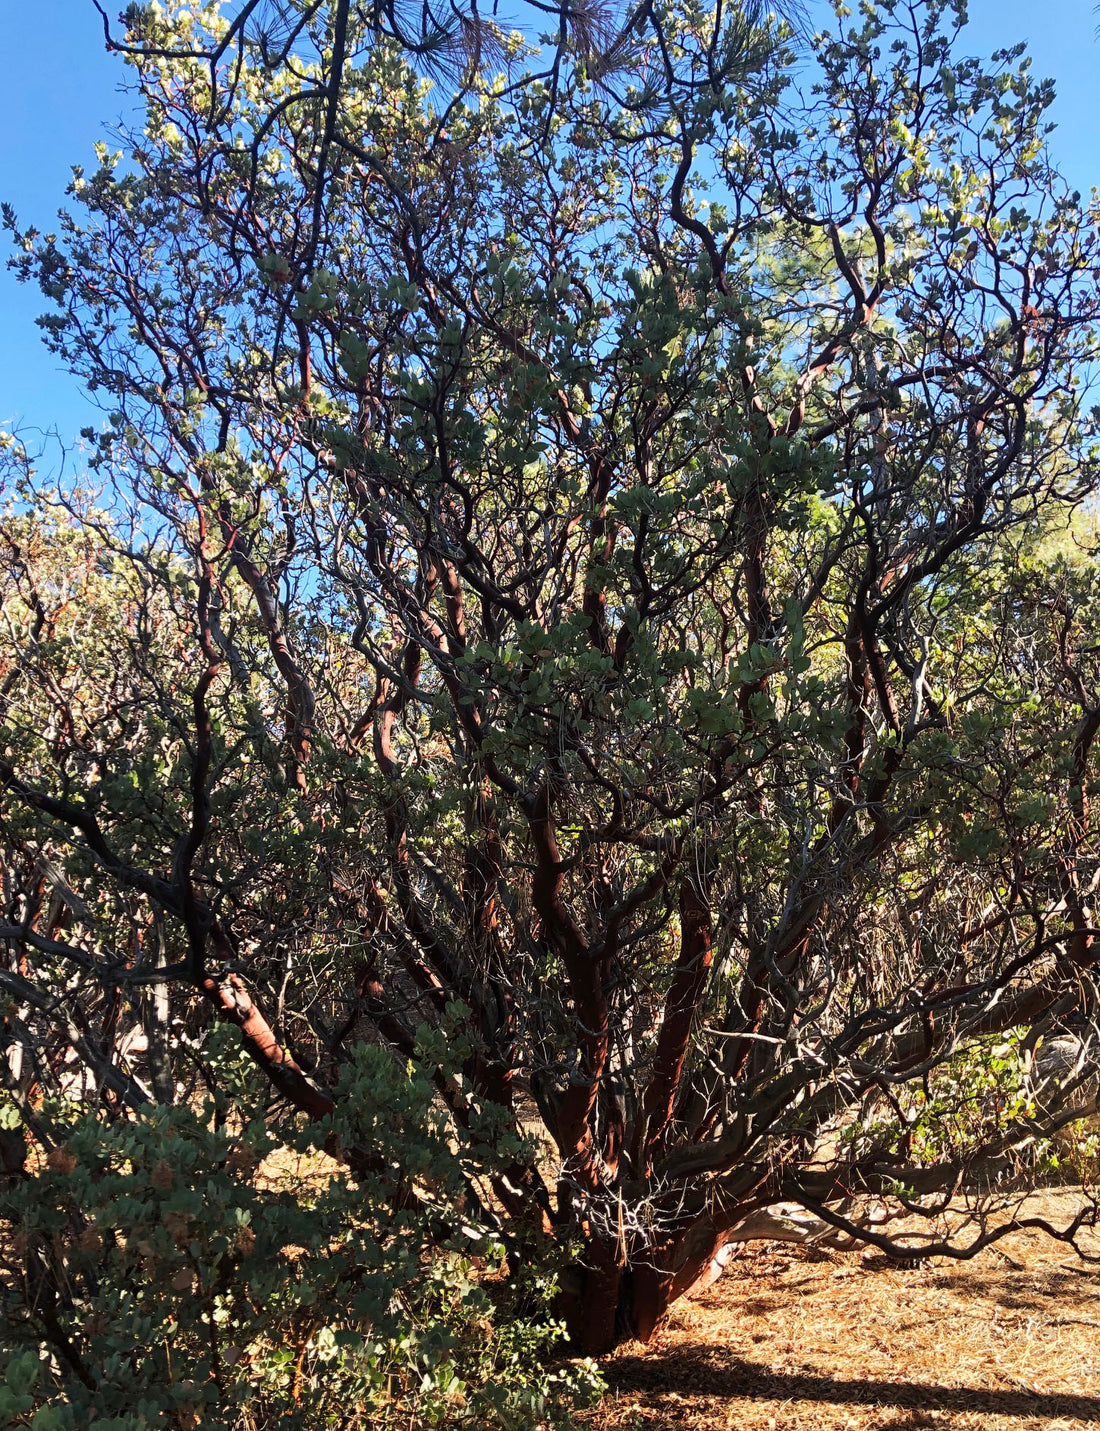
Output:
x=61 y=94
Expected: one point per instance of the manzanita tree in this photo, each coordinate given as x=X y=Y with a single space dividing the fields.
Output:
x=591 y=555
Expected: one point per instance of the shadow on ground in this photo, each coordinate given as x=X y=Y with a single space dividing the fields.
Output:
x=680 y=1374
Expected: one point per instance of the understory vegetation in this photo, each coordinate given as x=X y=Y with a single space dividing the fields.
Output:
x=181 y=1272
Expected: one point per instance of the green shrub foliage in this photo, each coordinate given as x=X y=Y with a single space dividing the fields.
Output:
x=171 y=1270
x=993 y=1093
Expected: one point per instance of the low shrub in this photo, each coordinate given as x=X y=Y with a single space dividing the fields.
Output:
x=155 y=1276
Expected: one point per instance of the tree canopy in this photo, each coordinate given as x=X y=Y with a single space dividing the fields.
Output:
x=588 y=568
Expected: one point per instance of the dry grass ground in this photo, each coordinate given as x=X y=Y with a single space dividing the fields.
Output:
x=850 y=1342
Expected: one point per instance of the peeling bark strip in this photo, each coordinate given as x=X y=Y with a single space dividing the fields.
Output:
x=233 y=1002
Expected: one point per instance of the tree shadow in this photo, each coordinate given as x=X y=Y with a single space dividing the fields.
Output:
x=1041 y=1292
x=682 y=1373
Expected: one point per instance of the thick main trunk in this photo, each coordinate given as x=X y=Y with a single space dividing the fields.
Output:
x=609 y=1300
